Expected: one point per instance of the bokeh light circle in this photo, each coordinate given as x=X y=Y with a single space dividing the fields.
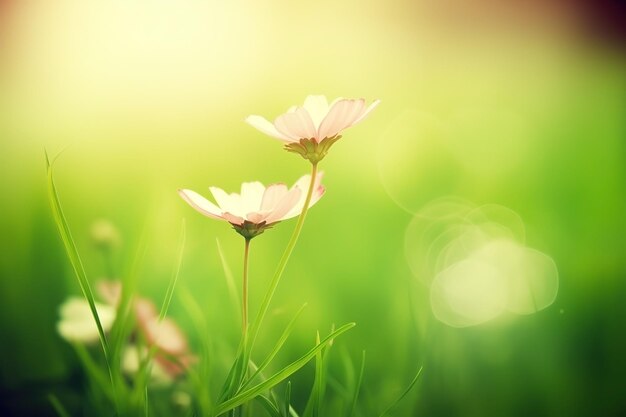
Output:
x=476 y=263
x=468 y=293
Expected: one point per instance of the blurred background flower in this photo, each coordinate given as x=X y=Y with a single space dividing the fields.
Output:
x=77 y=324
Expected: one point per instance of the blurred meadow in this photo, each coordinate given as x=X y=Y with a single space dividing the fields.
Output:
x=513 y=111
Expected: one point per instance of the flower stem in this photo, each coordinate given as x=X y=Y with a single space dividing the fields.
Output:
x=283 y=260
x=244 y=303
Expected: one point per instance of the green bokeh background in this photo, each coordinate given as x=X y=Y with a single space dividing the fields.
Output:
x=146 y=98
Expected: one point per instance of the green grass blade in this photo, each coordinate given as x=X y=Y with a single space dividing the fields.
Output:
x=357 y=388
x=72 y=252
x=349 y=372
x=314 y=404
x=282 y=263
x=145 y=401
x=236 y=374
x=406 y=391
x=200 y=378
x=146 y=364
x=124 y=321
x=281 y=341
x=281 y=375
x=94 y=371
x=58 y=407
x=75 y=261
x=287 y=399
x=175 y=273
x=268 y=406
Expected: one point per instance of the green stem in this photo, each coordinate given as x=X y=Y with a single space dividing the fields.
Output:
x=244 y=308
x=283 y=260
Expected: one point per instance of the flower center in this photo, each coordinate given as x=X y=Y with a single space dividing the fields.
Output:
x=310 y=149
x=249 y=229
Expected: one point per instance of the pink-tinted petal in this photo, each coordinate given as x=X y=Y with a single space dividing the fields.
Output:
x=201 y=204
x=317 y=107
x=284 y=205
x=340 y=116
x=296 y=125
x=273 y=194
x=265 y=126
x=305 y=180
x=231 y=218
x=367 y=111
x=303 y=184
x=318 y=192
x=145 y=311
x=166 y=335
x=257 y=217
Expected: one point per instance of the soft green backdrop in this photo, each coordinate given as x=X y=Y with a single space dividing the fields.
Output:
x=148 y=97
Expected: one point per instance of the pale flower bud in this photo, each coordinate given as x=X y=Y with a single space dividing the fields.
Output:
x=105 y=235
x=77 y=323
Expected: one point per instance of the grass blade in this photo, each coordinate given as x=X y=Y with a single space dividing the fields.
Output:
x=282 y=263
x=146 y=365
x=268 y=406
x=281 y=341
x=280 y=375
x=287 y=399
x=201 y=377
x=124 y=319
x=95 y=372
x=175 y=273
x=357 y=388
x=312 y=406
x=75 y=261
x=58 y=407
x=406 y=391
x=236 y=373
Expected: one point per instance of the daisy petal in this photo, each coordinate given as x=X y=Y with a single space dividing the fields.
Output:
x=257 y=217
x=317 y=107
x=201 y=204
x=296 y=125
x=265 y=126
x=272 y=196
x=303 y=184
x=285 y=205
x=252 y=195
x=227 y=202
x=366 y=112
x=341 y=115
x=231 y=218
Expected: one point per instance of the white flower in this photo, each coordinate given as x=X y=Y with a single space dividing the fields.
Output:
x=311 y=129
x=256 y=207
x=77 y=323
